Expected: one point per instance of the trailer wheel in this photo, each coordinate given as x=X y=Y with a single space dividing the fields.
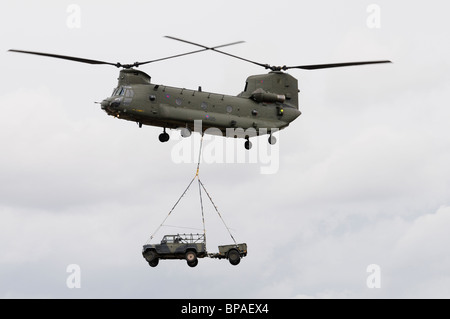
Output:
x=191 y=256
x=234 y=257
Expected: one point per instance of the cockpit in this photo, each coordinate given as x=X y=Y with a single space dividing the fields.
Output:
x=125 y=91
x=118 y=91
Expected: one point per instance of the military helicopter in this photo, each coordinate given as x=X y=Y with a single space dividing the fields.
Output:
x=268 y=103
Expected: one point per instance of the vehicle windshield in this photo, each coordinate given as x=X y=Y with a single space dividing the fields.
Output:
x=167 y=240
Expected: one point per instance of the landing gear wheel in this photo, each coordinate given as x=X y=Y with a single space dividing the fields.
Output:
x=164 y=137
x=272 y=140
x=154 y=262
x=193 y=264
x=248 y=144
x=234 y=257
x=185 y=132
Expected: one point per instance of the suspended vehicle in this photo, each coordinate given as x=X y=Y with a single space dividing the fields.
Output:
x=190 y=247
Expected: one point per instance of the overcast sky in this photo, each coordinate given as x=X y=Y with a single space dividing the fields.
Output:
x=362 y=177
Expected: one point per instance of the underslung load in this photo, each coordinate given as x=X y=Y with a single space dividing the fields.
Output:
x=191 y=247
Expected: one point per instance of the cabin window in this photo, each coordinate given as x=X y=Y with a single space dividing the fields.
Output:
x=129 y=93
x=128 y=97
x=167 y=240
x=204 y=105
x=229 y=109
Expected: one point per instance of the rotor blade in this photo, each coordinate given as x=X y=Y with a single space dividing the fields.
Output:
x=266 y=66
x=192 y=52
x=333 y=65
x=136 y=64
x=65 y=57
x=181 y=40
x=284 y=68
x=215 y=49
x=169 y=57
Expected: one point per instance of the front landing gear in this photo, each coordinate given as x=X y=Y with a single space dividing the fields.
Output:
x=164 y=137
x=247 y=144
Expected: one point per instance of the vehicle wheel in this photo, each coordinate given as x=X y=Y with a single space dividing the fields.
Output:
x=150 y=255
x=191 y=256
x=154 y=262
x=248 y=145
x=234 y=257
x=193 y=263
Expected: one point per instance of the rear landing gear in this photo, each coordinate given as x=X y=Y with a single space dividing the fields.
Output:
x=185 y=132
x=164 y=137
x=272 y=139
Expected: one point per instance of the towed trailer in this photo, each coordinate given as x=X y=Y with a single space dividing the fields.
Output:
x=190 y=247
x=233 y=253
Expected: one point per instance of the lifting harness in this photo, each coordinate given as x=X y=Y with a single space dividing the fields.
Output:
x=200 y=187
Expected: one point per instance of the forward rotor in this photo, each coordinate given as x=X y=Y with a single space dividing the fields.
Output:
x=118 y=64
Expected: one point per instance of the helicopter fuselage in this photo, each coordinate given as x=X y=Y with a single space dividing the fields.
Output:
x=268 y=103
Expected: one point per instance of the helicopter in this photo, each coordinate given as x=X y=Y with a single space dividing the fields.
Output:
x=268 y=103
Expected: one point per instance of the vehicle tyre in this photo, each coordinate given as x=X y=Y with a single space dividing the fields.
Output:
x=150 y=255
x=248 y=145
x=193 y=263
x=191 y=256
x=154 y=262
x=234 y=257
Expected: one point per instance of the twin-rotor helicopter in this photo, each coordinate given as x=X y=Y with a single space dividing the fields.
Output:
x=268 y=103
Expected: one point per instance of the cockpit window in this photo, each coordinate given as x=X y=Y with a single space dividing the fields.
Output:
x=119 y=91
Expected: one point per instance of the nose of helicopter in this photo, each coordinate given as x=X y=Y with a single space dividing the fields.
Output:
x=110 y=104
x=104 y=104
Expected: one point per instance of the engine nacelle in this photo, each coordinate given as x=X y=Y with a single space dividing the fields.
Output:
x=261 y=96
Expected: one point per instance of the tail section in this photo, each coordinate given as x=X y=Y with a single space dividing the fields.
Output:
x=274 y=86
